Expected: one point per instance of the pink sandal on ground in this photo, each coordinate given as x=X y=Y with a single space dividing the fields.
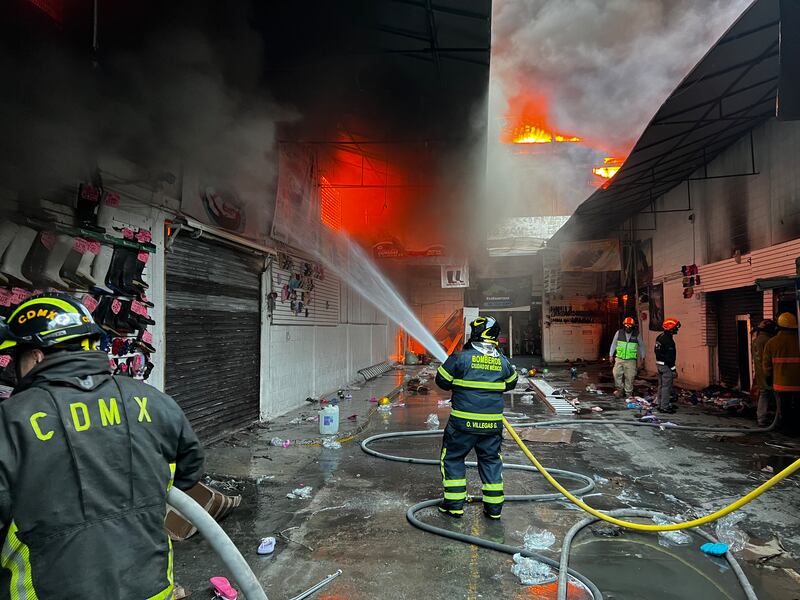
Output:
x=223 y=588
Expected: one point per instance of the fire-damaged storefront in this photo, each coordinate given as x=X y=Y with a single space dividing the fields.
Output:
x=715 y=201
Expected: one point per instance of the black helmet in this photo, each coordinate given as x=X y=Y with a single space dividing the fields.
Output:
x=484 y=329
x=46 y=320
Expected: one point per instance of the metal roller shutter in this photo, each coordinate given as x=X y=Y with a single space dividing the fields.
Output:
x=213 y=335
x=729 y=304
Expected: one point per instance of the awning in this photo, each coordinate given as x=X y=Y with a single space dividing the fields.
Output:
x=730 y=91
x=772 y=283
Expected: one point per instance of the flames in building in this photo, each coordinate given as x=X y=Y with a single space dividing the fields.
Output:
x=609 y=168
x=531 y=134
x=527 y=121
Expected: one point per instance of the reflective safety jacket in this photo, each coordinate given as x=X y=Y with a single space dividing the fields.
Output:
x=86 y=460
x=478 y=376
x=782 y=361
x=627 y=349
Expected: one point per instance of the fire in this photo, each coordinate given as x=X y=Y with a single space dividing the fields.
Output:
x=527 y=117
x=330 y=205
x=531 y=134
x=610 y=167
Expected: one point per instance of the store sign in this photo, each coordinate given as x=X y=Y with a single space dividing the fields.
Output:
x=388 y=249
x=455 y=276
x=506 y=292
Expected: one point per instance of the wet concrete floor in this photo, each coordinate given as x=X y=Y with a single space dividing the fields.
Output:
x=355 y=519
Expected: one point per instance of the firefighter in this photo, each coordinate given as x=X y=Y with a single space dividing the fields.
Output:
x=782 y=370
x=665 y=362
x=765 y=331
x=86 y=460
x=626 y=356
x=477 y=376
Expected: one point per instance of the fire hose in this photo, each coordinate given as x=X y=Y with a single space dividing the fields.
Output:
x=596 y=515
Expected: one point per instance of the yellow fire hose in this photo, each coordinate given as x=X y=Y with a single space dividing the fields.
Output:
x=641 y=526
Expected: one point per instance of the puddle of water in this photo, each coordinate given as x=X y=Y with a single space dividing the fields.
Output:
x=778 y=462
x=634 y=566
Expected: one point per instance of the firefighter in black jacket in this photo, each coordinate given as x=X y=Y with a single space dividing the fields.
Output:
x=665 y=362
x=478 y=376
x=86 y=460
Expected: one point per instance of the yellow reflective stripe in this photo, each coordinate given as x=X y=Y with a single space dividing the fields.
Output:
x=53 y=301
x=476 y=416
x=494 y=499
x=453 y=482
x=451 y=511
x=171 y=476
x=441 y=462
x=16 y=557
x=480 y=385
x=512 y=378
x=455 y=495
x=167 y=593
x=444 y=374
x=492 y=486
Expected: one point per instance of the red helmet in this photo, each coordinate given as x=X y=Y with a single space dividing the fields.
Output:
x=671 y=324
x=629 y=321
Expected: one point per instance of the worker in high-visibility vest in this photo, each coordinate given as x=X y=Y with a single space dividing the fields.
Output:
x=626 y=355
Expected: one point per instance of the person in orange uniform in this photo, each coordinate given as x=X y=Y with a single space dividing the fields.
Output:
x=782 y=369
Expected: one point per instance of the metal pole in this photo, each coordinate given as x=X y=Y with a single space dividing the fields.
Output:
x=511 y=334
x=319 y=586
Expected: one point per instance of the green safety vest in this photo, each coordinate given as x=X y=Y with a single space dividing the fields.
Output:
x=627 y=350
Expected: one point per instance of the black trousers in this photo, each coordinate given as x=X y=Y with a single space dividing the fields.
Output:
x=456 y=444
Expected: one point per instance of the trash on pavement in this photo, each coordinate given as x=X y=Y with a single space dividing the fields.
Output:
x=302 y=493
x=667 y=538
x=526 y=399
x=432 y=421
x=331 y=444
x=223 y=589
x=276 y=441
x=728 y=532
x=538 y=539
x=714 y=549
x=531 y=572
x=267 y=546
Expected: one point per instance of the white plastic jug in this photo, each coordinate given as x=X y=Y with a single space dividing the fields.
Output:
x=329 y=420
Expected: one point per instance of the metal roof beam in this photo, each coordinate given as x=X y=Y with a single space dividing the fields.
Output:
x=750 y=63
x=715 y=100
x=747 y=33
x=407 y=33
x=447 y=9
x=433 y=35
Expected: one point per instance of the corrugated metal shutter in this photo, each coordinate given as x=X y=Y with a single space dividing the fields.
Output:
x=213 y=334
x=308 y=294
x=768 y=262
x=729 y=304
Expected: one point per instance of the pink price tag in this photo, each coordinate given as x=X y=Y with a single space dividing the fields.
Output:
x=116 y=306
x=143 y=257
x=48 y=239
x=4 y=360
x=127 y=233
x=139 y=308
x=5 y=297
x=147 y=337
x=90 y=302
x=144 y=236
x=89 y=192
x=111 y=199
x=81 y=245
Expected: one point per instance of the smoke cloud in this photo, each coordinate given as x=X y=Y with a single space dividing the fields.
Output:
x=599 y=69
x=604 y=65
x=178 y=97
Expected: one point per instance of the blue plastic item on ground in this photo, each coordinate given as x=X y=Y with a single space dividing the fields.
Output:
x=714 y=549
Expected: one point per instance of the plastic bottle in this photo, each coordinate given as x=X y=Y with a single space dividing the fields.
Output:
x=329 y=420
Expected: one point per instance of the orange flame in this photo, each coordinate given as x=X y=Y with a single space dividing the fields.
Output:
x=610 y=167
x=528 y=122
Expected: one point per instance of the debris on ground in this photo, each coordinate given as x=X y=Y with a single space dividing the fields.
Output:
x=267 y=546
x=597 y=409
x=276 y=441
x=606 y=530
x=729 y=533
x=668 y=538
x=538 y=539
x=549 y=435
x=714 y=549
x=223 y=588
x=301 y=493
x=432 y=422
x=331 y=444
x=592 y=389
x=531 y=572
x=526 y=399
x=764 y=552
x=443 y=403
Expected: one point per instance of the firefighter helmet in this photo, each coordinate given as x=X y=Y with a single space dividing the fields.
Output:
x=671 y=324
x=45 y=320
x=484 y=329
x=767 y=325
x=787 y=320
x=629 y=321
